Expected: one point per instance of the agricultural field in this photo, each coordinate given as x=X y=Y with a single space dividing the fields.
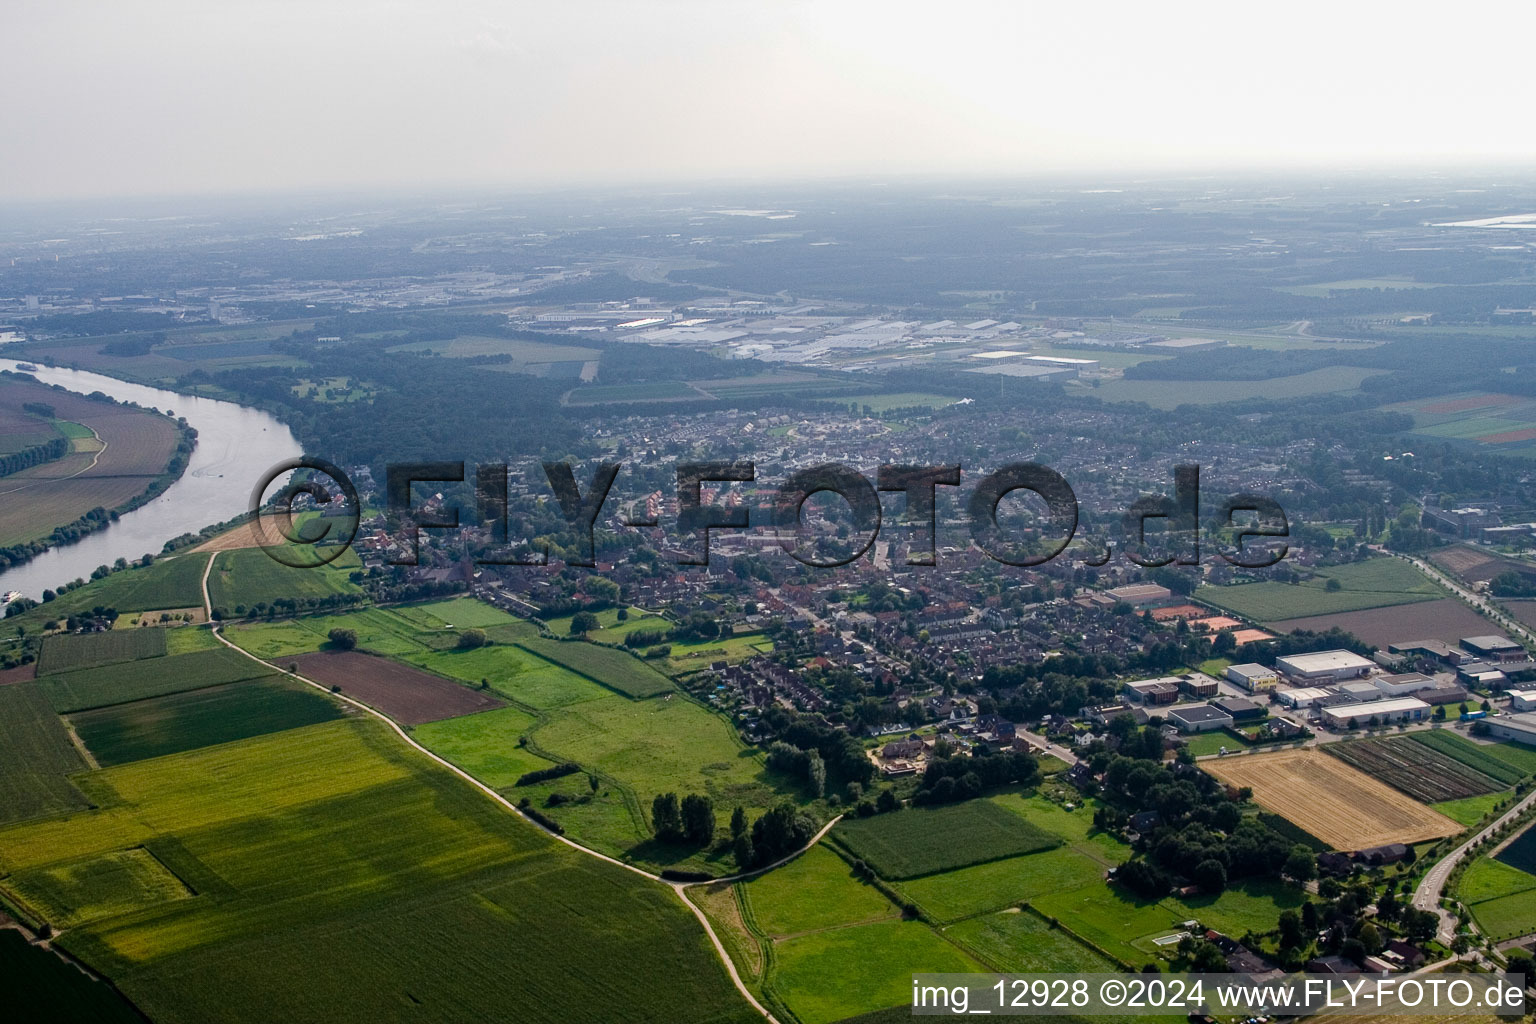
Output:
x=36 y=755
x=525 y=353
x=141 y=680
x=997 y=884
x=248 y=577
x=1503 y=422
x=1418 y=770
x=1507 y=916
x=1486 y=879
x=1371 y=584
x=1506 y=762
x=200 y=718
x=816 y=890
x=651 y=391
x=135 y=448
x=75 y=893
x=1501 y=896
x=487 y=745
x=617 y=670
x=40 y=985
x=1476 y=565
x=1112 y=919
x=20 y=429
x=513 y=673
x=927 y=841
x=1338 y=804
x=1443 y=617
x=336 y=845
x=408 y=695
x=771 y=383
x=171 y=582
x=386 y=631
x=885 y=402
x=87 y=650
x=1014 y=941
x=829 y=975
x=1170 y=394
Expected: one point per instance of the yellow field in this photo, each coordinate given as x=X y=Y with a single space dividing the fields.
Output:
x=1342 y=806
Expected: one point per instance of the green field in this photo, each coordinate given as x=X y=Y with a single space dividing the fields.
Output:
x=248 y=576
x=886 y=401
x=40 y=985
x=1470 y=810
x=814 y=891
x=1112 y=919
x=926 y=841
x=618 y=670
x=1486 y=879
x=170 y=583
x=652 y=391
x=698 y=654
x=36 y=754
x=1506 y=762
x=1250 y=904
x=200 y=718
x=118 y=684
x=463 y=613
x=1020 y=942
x=954 y=895
x=486 y=744
x=829 y=975
x=1507 y=916
x=341 y=876
x=63 y=652
x=514 y=673
x=1371 y=584
x=106 y=885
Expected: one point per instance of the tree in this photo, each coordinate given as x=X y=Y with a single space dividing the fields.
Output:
x=887 y=801
x=1290 y=929
x=343 y=639
x=780 y=831
x=1333 y=586
x=1211 y=875
x=592 y=783
x=816 y=774
x=1300 y=864
x=698 y=819
x=667 y=818
x=738 y=822
x=472 y=638
x=746 y=856
x=583 y=622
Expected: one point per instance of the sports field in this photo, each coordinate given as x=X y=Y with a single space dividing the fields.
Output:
x=333 y=868
x=1370 y=584
x=1339 y=804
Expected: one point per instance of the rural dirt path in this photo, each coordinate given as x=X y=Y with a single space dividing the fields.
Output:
x=95 y=458
x=1432 y=885
x=677 y=887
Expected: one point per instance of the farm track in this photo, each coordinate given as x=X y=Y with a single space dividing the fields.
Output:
x=677 y=887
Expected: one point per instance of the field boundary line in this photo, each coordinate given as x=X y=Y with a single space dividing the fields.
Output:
x=676 y=887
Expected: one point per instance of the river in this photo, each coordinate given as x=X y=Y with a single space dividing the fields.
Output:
x=235 y=446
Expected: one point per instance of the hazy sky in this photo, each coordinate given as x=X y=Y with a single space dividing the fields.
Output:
x=166 y=97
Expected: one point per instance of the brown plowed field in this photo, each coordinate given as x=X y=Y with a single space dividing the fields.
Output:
x=1444 y=619
x=408 y=695
x=138 y=446
x=19 y=674
x=1341 y=805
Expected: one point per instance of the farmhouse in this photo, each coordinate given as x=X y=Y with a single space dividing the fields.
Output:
x=1198 y=718
x=1324 y=666
x=1399 y=709
x=1253 y=678
x=1519 y=728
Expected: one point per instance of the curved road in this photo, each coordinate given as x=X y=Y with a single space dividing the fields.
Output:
x=677 y=887
x=1432 y=885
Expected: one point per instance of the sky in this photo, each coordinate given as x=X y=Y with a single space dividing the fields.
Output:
x=166 y=97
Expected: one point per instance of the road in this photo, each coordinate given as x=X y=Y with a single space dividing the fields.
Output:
x=677 y=887
x=1476 y=600
x=1432 y=885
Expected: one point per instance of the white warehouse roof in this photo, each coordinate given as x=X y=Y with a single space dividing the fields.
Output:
x=1324 y=661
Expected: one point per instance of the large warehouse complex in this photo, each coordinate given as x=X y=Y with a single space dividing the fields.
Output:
x=1324 y=667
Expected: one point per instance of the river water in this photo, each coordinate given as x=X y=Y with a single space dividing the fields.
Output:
x=235 y=447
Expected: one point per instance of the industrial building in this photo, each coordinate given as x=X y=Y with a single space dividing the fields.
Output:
x=1253 y=678
x=1494 y=648
x=1404 y=683
x=1154 y=691
x=1324 y=666
x=1398 y=709
x=1518 y=728
x=1302 y=696
x=1198 y=718
x=1522 y=700
x=1141 y=595
x=1238 y=708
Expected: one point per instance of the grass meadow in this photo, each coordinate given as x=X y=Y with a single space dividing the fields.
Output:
x=927 y=841
x=1374 y=583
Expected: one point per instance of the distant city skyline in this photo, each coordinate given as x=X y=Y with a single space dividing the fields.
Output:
x=169 y=97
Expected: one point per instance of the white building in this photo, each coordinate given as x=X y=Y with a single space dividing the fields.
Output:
x=1403 y=684
x=1252 y=678
x=1302 y=696
x=1399 y=709
x=1522 y=700
x=1324 y=666
x=1519 y=728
